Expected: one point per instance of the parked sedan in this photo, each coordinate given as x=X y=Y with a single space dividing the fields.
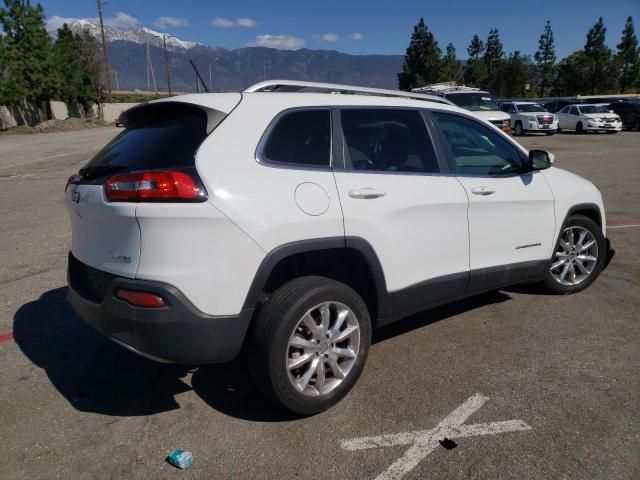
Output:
x=629 y=112
x=588 y=117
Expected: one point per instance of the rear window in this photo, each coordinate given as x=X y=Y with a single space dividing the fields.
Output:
x=157 y=137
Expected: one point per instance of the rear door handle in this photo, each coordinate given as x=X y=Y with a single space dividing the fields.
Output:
x=367 y=193
x=483 y=191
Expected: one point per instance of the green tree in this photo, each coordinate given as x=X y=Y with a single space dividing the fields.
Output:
x=475 y=72
x=493 y=60
x=572 y=75
x=451 y=66
x=545 y=59
x=628 y=57
x=422 y=62
x=600 y=56
x=74 y=84
x=515 y=75
x=27 y=68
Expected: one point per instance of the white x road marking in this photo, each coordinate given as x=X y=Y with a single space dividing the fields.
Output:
x=423 y=442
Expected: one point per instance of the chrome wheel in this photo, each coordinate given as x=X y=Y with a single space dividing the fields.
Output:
x=576 y=256
x=323 y=348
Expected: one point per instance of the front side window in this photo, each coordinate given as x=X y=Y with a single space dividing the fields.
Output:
x=300 y=138
x=387 y=141
x=476 y=149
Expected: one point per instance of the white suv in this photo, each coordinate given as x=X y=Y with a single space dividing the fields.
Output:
x=529 y=117
x=293 y=223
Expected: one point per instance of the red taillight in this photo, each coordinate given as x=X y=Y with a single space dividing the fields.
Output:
x=141 y=299
x=153 y=186
x=69 y=180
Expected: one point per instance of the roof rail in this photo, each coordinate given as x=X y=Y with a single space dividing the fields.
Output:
x=445 y=87
x=296 y=86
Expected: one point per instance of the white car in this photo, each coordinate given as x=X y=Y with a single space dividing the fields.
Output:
x=473 y=99
x=294 y=223
x=587 y=117
x=530 y=117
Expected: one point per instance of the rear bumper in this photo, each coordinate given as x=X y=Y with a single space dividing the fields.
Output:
x=177 y=333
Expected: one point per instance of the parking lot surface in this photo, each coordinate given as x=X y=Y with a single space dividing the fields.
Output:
x=522 y=384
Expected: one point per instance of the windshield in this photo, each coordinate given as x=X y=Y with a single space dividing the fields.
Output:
x=593 y=109
x=531 y=107
x=474 y=101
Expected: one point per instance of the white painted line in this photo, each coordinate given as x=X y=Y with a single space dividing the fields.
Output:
x=623 y=226
x=50 y=157
x=423 y=442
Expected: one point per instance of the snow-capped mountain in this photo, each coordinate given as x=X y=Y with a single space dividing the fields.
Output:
x=136 y=35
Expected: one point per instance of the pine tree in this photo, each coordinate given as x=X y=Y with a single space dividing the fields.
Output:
x=600 y=57
x=451 y=67
x=515 y=74
x=72 y=75
x=493 y=59
x=475 y=72
x=422 y=62
x=91 y=56
x=572 y=75
x=545 y=58
x=27 y=66
x=628 y=57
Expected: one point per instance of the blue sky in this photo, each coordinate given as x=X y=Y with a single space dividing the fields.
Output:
x=361 y=27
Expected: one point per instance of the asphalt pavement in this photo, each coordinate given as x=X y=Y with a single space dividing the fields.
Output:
x=523 y=385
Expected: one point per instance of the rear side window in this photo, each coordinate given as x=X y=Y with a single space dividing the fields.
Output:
x=387 y=141
x=157 y=136
x=300 y=138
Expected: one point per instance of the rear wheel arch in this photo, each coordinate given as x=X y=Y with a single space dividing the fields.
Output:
x=349 y=260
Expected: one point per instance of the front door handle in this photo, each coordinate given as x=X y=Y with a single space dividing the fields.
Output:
x=367 y=193
x=483 y=191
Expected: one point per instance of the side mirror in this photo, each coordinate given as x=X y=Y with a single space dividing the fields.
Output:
x=540 y=159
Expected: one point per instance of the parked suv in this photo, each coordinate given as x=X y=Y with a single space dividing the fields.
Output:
x=530 y=117
x=629 y=112
x=292 y=224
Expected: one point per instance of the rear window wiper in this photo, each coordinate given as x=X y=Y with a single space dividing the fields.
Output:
x=92 y=170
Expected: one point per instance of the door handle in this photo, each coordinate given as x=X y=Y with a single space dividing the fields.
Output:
x=483 y=191
x=367 y=193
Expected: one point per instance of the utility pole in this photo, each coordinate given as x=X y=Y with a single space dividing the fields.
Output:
x=166 y=62
x=210 y=79
x=105 y=52
x=115 y=72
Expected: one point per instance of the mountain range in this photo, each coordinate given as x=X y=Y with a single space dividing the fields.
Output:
x=230 y=70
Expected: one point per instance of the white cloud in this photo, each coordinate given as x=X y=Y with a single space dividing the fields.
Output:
x=122 y=20
x=327 y=37
x=238 y=22
x=163 y=22
x=222 y=22
x=57 y=21
x=245 y=22
x=356 y=36
x=283 y=42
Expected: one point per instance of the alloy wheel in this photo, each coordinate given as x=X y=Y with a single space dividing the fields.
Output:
x=323 y=348
x=576 y=256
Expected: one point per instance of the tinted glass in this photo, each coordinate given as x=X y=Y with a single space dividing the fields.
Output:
x=530 y=107
x=159 y=136
x=586 y=109
x=387 y=141
x=301 y=138
x=477 y=149
x=474 y=101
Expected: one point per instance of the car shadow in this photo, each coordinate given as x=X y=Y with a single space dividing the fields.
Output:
x=96 y=375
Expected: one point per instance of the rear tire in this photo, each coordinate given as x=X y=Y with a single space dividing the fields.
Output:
x=578 y=258
x=301 y=325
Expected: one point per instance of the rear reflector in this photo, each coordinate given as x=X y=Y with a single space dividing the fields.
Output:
x=141 y=299
x=165 y=186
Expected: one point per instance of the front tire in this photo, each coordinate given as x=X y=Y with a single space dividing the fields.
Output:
x=518 y=129
x=578 y=258
x=579 y=128
x=310 y=343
